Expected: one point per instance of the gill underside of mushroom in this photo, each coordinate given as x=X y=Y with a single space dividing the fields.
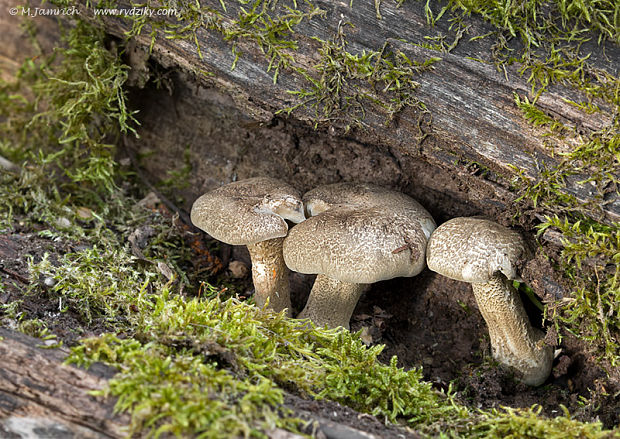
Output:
x=514 y=341
x=331 y=302
x=270 y=275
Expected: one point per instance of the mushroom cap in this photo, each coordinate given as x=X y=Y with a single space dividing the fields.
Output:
x=248 y=211
x=328 y=196
x=357 y=245
x=473 y=249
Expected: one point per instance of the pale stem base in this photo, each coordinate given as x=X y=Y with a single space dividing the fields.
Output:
x=514 y=341
x=270 y=275
x=331 y=302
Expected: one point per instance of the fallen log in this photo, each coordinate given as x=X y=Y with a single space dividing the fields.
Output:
x=42 y=397
x=456 y=116
x=458 y=111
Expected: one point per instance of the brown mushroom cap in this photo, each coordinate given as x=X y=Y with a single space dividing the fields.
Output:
x=357 y=245
x=248 y=211
x=474 y=249
x=329 y=196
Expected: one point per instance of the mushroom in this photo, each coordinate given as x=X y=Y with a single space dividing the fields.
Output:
x=349 y=248
x=328 y=196
x=252 y=212
x=486 y=254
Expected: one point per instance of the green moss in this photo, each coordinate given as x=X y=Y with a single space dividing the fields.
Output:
x=533 y=21
x=206 y=367
x=272 y=32
x=184 y=393
x=592 y=307
x=93 y=283
x=590 y=254
x=527 y=424
x=535 y=116
x=78 y=97
x=179 y=178
x=258 y=348
x=335 y=95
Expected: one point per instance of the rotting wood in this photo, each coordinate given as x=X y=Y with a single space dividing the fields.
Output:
x=474 y=117
x=42 y=397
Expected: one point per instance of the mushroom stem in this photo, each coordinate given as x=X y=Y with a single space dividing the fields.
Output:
x=331 y=302
x=270 y=275
x=513 y=339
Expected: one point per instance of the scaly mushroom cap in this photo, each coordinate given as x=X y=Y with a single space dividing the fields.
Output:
x=328 y=196
x=357 y=245
x=248 y=211
x=474 y=249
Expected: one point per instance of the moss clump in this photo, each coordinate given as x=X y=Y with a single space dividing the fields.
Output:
x=95 y=282
x=81 y=103
x=526 y=424
x=533 y=22
x=594 y=249
x=590 y=241
x=184 y=393
x=256 y=352
x=335 y=95
x=206 y=367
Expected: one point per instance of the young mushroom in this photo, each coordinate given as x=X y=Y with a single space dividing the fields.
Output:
x=486 y=254
x=253 y=213
x=349 y=248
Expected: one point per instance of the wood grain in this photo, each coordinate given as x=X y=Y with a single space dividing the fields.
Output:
x=473 y=115
x=41 y=395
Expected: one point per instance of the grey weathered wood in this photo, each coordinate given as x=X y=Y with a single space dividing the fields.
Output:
x=474 y=118
x=42 y=397
x=472 y=103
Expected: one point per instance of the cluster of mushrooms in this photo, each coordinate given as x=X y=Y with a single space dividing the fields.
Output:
x=352 y=235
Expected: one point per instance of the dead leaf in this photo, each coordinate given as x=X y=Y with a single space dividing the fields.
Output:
x=84 y=213
x=165 y=270
x=365 y=336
